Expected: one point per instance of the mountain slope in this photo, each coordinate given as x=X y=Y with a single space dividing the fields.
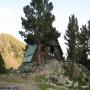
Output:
x=12 y=51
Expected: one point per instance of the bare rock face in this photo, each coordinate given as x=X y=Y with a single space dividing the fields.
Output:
x=12 y=51
x=53 y=67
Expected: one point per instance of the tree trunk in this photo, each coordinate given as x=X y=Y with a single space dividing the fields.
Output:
x=40 y=53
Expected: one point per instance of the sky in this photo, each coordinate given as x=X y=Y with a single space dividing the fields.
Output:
x=11 y=12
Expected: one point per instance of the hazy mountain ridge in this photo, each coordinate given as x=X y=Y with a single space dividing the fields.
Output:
x=12 y=50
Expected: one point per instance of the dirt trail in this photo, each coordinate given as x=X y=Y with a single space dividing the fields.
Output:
x=25 y=85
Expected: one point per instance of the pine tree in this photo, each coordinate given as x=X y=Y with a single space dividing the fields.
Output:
x=88 y=28
x=71 y=37
x=38 y=22
x=88 y=32
x=37 y=25
x=83 y=43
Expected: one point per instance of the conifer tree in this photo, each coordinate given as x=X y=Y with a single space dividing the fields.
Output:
x=88 y=32
x=84 y=41
x=83 y=38
x=38 y=22
x=71 y=37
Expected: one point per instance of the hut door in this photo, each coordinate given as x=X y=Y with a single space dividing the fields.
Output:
x=52 y=51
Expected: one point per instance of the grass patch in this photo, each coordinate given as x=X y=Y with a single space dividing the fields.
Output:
x=43 y=86
x=41 y=78
x=42 y=82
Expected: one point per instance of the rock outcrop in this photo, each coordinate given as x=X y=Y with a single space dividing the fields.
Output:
x=58 y=74
x=12 y=51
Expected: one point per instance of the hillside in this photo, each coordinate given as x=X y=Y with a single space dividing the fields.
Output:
x=12 y=51
x=53 y=75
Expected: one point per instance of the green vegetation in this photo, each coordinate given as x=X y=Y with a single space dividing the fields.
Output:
x=67 y=69
x=38 y=22
x=43 y=86
x=83 y=37
x=71 y=38
x=43 y=82
x=77 y=40
x=42 y=79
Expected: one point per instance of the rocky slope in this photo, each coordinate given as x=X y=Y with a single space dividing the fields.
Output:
x=58 y=75
x=12 y=51
x=53 y=75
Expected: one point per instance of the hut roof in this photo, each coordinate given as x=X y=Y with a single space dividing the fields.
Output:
x=32 y=48
x=29 y=53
